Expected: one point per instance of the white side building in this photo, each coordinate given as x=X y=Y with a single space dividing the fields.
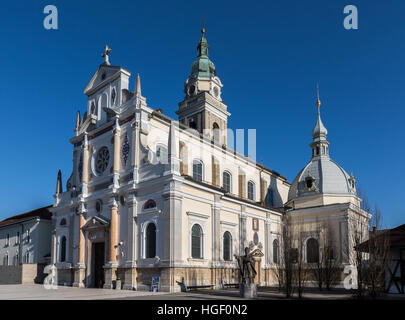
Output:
x=26 y=238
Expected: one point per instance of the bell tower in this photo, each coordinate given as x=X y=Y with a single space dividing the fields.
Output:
x=202 y=108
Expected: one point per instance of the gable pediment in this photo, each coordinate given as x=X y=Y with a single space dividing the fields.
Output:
x=104 y=75
x=257 y=253
x=96 y=223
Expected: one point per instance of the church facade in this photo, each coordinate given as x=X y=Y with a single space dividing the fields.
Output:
x=150 y=196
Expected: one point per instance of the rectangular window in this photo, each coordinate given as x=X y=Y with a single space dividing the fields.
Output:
x=17 y=240
x=7 y=240
x=28 y=236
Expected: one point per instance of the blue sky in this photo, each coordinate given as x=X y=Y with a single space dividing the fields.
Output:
x=268 y=54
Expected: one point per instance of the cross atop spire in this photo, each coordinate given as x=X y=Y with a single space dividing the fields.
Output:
x=318 y=102
x=105 y=55
x=319 y=131
x=320 y=144
x=203 y=27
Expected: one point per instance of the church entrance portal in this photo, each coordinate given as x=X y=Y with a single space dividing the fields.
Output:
x=98 y=263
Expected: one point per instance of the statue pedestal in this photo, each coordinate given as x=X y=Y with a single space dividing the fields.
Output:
x=248 y=290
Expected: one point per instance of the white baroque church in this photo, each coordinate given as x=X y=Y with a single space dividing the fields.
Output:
x=150 y=196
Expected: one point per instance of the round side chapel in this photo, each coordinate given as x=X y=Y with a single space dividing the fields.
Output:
x=323 y=207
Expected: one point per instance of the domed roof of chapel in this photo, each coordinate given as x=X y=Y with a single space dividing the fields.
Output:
x=328 y=178
x=321 y=175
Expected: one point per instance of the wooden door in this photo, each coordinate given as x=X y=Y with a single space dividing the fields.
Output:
x=98 y=263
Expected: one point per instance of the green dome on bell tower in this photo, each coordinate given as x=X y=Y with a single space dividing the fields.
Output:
x=203 y=67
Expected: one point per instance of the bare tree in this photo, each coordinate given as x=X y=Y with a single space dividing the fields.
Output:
x=299 y=265
x=326 y=269
x=357 y=235
x=278 y=267
x=316 y=266
x=330 y=261
x=378 y=249
x=284 y=268
x=365 y=204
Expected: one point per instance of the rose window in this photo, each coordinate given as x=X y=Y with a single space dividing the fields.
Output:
x=102 y=159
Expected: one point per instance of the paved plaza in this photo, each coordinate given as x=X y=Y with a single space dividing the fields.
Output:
x=38 y=292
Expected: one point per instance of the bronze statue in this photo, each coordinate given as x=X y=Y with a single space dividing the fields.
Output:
x=246 y=267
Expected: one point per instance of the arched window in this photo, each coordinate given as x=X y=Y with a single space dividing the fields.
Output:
x=6 y=259
x=113 y=96
x=251 y=190
x=161 y=154
x=150 y=238
x=27 y=257
x=226 y=181
x=99 y=205
x=149 y=204
x=196 y=242
x=63 y=249
x=276 y=249
x=198 y=170
x=227 y=251
x=63 y=222
x=215 y=132
x=93 y=107
x=312 y=250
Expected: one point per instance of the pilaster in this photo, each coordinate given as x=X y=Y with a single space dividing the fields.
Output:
x=132 y=243
x=85 y=173
x=267 y=235
x=117 y=159
x=113 y=232
x=135 y=147
x=216 y=240
x=242 y=230
x=171 y=231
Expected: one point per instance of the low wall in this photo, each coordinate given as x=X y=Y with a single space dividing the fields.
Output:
x=10 y=274
x=29 y=273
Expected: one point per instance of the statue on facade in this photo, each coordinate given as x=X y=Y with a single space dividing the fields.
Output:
x=247 y=274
